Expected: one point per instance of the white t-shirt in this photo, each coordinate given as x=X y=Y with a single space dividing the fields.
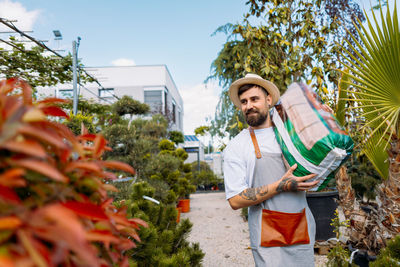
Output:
x=239 y=158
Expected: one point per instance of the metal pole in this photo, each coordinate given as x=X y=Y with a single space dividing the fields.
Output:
x=75 y=79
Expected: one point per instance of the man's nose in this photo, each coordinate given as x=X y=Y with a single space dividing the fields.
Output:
x=249 y=105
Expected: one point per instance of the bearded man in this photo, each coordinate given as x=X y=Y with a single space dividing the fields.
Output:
x=282 y=227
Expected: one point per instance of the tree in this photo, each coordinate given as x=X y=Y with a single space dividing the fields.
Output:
x=373 y=86
x=176 y=137
x=295 y=40
x=36 y=66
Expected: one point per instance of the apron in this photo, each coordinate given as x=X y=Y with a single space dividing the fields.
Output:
x=268 y=169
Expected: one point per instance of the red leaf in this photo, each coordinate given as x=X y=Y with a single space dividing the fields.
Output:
x=117 y=165
x=87 y=137
x=88 y=210
x=54 y=111
x=9 y=195
x=43 y=168
x=12 y=178
x=89 y=166
x=28 y=147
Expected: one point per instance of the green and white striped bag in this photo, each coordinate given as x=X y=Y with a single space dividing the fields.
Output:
x=309 y=135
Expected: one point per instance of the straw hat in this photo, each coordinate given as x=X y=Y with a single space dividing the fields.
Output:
x=251 y=78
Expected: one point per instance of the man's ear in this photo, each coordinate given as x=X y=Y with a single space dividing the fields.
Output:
x=268 y=98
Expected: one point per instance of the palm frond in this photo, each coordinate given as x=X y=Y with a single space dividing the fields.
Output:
x=374 y=65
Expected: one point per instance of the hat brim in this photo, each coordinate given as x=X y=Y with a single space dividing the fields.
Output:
x=267 y=85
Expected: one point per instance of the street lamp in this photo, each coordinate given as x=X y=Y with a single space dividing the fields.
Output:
x=57 y=35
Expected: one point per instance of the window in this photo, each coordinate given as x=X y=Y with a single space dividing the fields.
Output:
x=106 y=92
x=65 y=93
x=173 y=112
x=153 y=99
x=165 y=102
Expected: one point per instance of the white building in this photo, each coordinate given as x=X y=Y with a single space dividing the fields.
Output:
x=214 y=160
x=194 y=147
x=151 y=84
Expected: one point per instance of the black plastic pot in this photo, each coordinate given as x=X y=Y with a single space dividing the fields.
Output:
x=323 y=206
x=361 y=257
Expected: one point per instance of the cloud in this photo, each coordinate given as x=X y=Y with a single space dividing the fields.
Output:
x=123 y=62
x=16 y=11
x=199 y=102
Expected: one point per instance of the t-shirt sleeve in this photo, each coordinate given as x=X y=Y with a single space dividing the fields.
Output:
x=234 y=176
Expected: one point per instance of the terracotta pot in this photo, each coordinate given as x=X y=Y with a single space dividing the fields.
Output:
x=184 y=204
x=178 y=217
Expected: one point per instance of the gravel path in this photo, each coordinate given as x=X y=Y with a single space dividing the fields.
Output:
x=222 y=233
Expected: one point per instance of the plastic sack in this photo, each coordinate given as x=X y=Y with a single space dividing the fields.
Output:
x=309 y=135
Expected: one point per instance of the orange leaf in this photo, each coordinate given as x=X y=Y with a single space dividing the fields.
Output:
x=12 y=178
x=138 y=221
x=27 y=242
x=117 y=165
x=43 y=168
x=26 y=92
x=34 y=114
x=43 y=135
x=103 y=236
x=53 y=100
x=54 y=111
x=89 y=166
x=99 y=145
x=110 y=187
x=88 y=210
x=9 y=222
x=29 y=147
x=6 y=261
x=109 y=175
x=9 y=195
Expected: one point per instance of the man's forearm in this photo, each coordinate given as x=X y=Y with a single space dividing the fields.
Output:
x=253 y=196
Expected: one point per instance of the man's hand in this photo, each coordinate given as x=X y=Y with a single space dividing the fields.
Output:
x=291 y=183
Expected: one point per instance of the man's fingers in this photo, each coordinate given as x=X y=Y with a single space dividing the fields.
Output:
x=305 y=178
x=306 y=185
x=292 y=168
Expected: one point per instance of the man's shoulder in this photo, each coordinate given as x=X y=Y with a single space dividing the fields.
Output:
x=237 y=143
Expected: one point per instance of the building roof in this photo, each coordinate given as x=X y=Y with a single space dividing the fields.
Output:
x=191 y=138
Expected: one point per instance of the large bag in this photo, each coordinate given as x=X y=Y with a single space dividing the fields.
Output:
x=309 y=135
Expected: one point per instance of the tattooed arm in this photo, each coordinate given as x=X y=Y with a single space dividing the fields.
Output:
x=288 y=183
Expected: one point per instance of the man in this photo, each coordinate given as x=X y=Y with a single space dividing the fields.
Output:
x=256 y=177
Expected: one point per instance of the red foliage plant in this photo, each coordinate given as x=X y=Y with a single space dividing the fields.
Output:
x=54 y=208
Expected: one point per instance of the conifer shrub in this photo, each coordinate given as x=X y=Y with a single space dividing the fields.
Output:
x=389 y=256
x=164 y=241
x=54 y=208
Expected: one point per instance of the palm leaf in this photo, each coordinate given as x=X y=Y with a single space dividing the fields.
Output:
x=375 y=80
x=377 y=155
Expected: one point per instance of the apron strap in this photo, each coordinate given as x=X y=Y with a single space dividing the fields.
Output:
x=255 y=143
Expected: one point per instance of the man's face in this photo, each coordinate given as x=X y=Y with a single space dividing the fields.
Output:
x=255 y=105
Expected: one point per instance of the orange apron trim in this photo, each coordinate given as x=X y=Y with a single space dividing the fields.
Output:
x=255 y=143
x=279 y=229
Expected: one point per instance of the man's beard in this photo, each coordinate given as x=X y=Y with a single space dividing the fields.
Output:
x=254 y=118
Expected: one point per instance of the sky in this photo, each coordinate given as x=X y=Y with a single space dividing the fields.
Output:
x=176 y=33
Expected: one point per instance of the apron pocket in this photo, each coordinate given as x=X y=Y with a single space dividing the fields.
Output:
x=279 y=229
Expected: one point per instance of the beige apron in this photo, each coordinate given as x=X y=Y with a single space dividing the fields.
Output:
x=268 y=169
